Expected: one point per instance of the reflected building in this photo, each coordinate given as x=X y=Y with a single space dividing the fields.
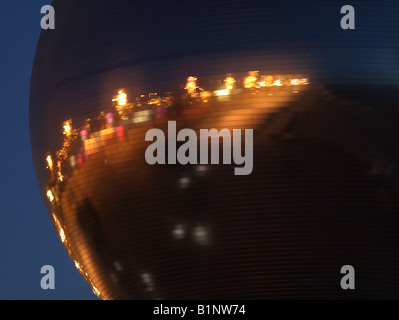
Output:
x=324 y=188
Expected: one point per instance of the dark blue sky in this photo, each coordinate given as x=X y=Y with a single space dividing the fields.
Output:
x=27 y=238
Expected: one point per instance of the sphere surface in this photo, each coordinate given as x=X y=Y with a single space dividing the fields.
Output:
x=322 y=190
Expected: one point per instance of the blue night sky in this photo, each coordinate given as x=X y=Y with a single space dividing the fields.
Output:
x=27 y=238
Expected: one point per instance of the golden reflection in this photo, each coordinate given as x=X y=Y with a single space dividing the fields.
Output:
x=67 y=127
x=59 y=228
x=277 y=83
x=205 y=95
x=154 y=99
x=105 y=126
x=115 y=123
x=223 y=92
x=122 y=107
x=50 y=195
x=95 y=290
x=78 y=266
x=49 y=162
x=62 y=235
x=262 y=84
x=299 y=82
x=229 y=83
x=250 y=80
x=191 y=85
x=121 y=98
x=89 y=280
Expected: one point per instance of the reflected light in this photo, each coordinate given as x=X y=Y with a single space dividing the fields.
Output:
x=298 y=82
x=118 y=266
x=184 y=182
x=78 y=266
x=50 y=195
x=262 y=84
x=224 y=92
x=201 y=235
x=277 y=83
x=121 y=98
x=229 y=83
x=147 y=280
x=49 y=162
x=250 y=81
x=204 y=95
x=201 y=170
x=60 y=230
x=62 y=235
x=179 y=231
x=67 y=127
x=191 y=84
x=95 y=290
x=295 y=82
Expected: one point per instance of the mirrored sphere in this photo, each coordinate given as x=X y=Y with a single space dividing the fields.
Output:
x=298 y=178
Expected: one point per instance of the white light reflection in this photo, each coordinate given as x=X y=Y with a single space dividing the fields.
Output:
x=223 y=92
x=201 y=170
x=184 y=182
x=179 y=232
x=118 y=266
x=201 y=235
x=50 y=195
x=147 y=280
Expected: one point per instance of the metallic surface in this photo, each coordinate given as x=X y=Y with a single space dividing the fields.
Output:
x=323 y=192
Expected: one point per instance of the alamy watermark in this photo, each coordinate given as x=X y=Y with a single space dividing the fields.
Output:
x=187 y=153
x=48 y=21
x=348 y=280
x=48 y=280
x=347 y=21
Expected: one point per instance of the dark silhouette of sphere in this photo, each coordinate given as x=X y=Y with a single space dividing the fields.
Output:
x=322 y=103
